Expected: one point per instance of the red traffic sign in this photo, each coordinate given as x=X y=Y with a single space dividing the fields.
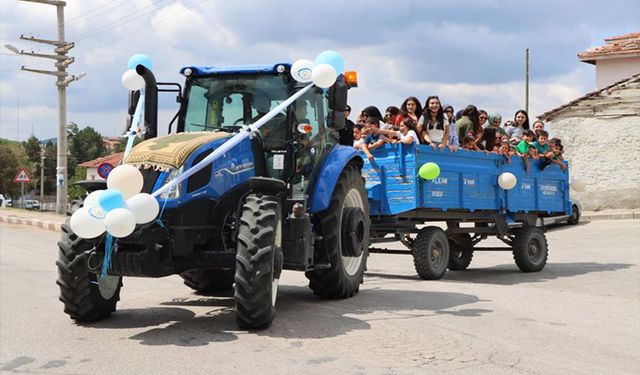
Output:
x=22 y=176
x=104 y=169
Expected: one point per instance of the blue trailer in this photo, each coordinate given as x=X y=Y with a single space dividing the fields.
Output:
x=466 y=195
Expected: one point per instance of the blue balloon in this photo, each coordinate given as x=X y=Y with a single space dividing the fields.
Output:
x=110 y=199
x=332 y=58
x=140 y=59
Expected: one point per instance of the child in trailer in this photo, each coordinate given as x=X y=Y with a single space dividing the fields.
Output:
x=374 y=139
x=523 y=147
x=468 y=143
x=358 y=137
x=554 y=155
x=541 y=144
x=506 y=149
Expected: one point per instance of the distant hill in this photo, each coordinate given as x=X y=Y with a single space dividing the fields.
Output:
x=9 y=142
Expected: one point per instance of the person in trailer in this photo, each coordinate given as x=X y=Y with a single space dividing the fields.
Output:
x=374 y=139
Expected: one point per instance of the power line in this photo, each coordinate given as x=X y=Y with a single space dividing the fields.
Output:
x=135 y=31
x=122 y=21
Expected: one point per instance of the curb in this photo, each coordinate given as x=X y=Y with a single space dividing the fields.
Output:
x=611 y=216
x=47 y=225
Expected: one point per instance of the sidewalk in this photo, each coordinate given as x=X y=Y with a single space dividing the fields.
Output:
x=52 y=221
x=44 y=220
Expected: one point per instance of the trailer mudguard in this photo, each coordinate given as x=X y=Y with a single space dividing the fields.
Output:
x=327 y=177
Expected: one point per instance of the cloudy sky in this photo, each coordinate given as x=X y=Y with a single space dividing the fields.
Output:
x=467 y=52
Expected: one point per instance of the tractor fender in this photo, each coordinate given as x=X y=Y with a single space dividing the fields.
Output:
x=326 y=179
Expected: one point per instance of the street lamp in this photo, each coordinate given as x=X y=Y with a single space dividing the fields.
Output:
x=12 y=49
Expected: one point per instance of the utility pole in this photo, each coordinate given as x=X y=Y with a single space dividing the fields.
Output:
x=526 y=80
x=42 y=157
x=63 y=80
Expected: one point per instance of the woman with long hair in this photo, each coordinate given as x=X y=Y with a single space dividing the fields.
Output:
x=521 y=123
x=410 y=109
x=433 y=127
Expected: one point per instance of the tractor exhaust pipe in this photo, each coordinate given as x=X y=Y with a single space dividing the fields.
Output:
x=150 y=102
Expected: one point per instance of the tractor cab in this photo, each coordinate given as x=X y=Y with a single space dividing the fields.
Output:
x=290 y=144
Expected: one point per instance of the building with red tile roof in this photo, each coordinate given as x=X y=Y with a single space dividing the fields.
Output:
x=617 y=60
x=93 y=165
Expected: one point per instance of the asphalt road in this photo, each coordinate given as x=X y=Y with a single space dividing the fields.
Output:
x=580 y=315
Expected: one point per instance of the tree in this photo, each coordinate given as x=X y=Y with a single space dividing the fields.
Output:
x=84 y=145
x=12 y=158
x=32 y=148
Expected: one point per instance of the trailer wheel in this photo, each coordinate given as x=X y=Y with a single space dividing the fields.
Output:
x=208 y=280
x=575 y=215
x=431 y=253
x=83 y=298
x=344 y=227
x=258 y=265
x=530 y=250
x=460 y=251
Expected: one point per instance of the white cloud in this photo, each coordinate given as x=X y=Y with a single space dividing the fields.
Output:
x=178 y=25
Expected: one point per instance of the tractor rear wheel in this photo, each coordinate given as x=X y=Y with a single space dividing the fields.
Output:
x=344 y=227
x=258 y=262
x=85 y=297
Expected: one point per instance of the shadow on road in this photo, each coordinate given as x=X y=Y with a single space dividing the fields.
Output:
x=299 y=314
x=509 y=274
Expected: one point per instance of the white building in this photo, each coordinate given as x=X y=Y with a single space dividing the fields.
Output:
x=618 y=59
x=600 y=132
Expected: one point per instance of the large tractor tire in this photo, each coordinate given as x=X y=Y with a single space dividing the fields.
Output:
x=530 y=250
x=460 y=251
x=208 y=280
x=431 y=253
x=85 y=298
x=344 y=227
x=258 y=262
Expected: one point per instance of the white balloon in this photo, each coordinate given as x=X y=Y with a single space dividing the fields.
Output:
x=87 y=222
x=324 y=75
x=92 y=199
x=578 y=185
x=144 y=207
x=120 y=222
x=301 y=70
x=507 y=181
x=132 y=80
x=127 y=179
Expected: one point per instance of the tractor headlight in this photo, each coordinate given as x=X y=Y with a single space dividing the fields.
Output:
x=174 y=192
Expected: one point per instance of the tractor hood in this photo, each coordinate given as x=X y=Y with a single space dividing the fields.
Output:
x=170 y=151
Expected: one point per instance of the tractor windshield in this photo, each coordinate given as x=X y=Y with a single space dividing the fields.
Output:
x=232 y=100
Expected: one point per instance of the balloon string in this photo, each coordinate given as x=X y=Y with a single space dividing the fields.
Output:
x=160 y=223
x=108 y=248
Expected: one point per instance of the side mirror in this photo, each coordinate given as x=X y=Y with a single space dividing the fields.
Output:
x=337 y=103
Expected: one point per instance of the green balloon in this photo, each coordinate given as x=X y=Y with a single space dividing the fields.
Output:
x=429 y=171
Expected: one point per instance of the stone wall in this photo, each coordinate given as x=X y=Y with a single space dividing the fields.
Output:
x=603 y=152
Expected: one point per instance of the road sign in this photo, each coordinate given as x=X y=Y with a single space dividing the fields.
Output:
x=22 y=176
x=104 y=169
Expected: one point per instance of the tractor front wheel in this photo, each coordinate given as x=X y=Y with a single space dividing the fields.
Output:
x=84 y=295
x=258 y=262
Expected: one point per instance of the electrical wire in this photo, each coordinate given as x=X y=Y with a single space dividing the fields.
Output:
x=122 y=21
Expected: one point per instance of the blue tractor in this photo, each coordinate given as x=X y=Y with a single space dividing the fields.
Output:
x=288 y=196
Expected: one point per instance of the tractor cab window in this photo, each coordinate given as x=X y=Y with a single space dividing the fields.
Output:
x=229 y=101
